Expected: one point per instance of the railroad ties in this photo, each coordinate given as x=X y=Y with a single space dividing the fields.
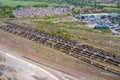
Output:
x=68 y=46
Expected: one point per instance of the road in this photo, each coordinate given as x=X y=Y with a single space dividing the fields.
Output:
x=29 y=71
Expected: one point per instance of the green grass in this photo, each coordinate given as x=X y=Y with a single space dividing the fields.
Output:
x=107 y=5
x=12 y=3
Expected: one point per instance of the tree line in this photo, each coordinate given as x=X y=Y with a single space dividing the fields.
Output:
x=6 y=12
x=80 y=3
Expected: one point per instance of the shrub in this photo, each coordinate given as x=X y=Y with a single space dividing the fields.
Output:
x=62 y=33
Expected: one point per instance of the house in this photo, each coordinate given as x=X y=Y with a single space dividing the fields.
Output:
x=118 y=18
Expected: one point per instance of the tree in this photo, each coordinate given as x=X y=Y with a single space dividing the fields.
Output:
x=19 y=6
x=6 y=12
x=76 y=12
x=103 y=17
x=11 y=15
x=118 y=4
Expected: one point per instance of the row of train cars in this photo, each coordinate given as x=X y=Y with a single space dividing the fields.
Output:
x=83 y=52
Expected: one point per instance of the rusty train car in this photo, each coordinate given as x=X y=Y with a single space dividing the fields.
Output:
x=68 y=46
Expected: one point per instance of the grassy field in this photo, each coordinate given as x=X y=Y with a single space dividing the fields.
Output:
x=12 y=3
x=107 y=5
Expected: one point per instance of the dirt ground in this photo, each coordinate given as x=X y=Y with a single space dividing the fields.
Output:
x=14 y=67
x=52 y=58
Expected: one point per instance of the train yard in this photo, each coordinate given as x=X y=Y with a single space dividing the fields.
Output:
x=83 y=52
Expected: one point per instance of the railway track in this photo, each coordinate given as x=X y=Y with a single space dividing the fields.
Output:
x=71 y=47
